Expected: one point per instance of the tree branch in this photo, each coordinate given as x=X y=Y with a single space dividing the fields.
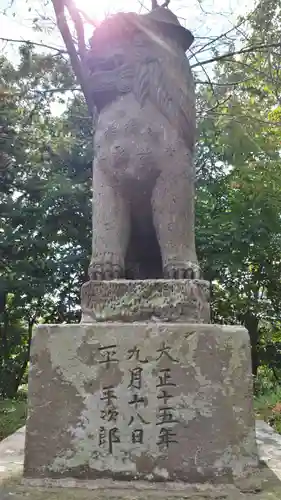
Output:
x=217 y=38
x=87 y=18
x=78 y=67
x=247 y=50
x=60 y=51
x=78 y=24
x=217 y=105
x=226 y=33
x=45 y=92
x=226 y=84
x=255 y=70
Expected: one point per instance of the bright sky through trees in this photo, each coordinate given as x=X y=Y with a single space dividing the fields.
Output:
x=205 y=18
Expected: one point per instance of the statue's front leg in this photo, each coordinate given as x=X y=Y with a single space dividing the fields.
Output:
x=173 y=216
x=110 y=229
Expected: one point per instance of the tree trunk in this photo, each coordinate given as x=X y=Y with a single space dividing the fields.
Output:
x=20 y=374
x=251 y=322
x=4 y=328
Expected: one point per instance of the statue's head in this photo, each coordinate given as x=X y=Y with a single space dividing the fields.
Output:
x=168 y=24
x=122 y=26
x=125 y=43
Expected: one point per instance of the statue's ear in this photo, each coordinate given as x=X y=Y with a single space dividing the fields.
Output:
x=178 y=33
x=168 y=23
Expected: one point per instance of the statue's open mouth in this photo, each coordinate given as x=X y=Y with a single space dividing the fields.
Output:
x=110 y=76
x=110 y=63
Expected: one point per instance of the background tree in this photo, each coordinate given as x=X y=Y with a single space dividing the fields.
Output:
x=239 y=203
x=44 y=206
x=46 y=153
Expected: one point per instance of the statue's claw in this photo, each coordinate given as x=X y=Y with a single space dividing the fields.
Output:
x=105 y=271
x=182 y=270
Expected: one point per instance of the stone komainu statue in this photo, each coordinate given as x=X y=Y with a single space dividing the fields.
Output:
x=143 y=176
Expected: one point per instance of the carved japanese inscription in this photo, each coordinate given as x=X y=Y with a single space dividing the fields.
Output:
x=109 y=434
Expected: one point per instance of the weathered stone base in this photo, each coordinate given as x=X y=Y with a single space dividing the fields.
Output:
x=133 y=489
x=146 y=300
x=146 y=401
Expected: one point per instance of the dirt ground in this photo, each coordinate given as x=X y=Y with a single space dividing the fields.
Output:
x=13 y=489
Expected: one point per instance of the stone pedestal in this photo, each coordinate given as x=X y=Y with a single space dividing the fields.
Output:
x=146 y=300
x=150 y=401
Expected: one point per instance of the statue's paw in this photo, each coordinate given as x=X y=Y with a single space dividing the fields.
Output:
x=182 y=270
x=105 y=271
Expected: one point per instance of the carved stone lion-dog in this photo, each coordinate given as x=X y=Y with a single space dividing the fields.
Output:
x=143 y=175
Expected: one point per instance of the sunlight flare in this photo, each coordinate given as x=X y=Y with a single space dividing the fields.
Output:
x=98 y=11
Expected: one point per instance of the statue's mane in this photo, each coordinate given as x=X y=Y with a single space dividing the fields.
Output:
x=125 y=58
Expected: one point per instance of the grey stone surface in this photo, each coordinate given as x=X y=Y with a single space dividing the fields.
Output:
x=136 y=488
x=150 y=401
x=12 y=453
x=146 y=300
x=269 y=449
x=269 y=446
x=143 y=175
